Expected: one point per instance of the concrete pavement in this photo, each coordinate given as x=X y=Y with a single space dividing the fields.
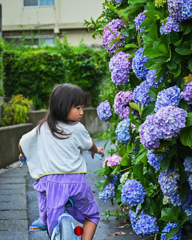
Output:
x=19 y=207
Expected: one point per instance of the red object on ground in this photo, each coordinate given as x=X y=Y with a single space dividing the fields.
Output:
x=78 y=231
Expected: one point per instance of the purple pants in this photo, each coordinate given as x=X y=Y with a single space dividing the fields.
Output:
x=54 y=192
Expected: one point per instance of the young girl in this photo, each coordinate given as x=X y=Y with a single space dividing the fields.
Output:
x=54 y=152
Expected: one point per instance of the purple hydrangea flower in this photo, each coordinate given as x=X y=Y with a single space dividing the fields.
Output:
x=122 y=131
x=121 y=103
x=186 y=9
x=168 y=183
x=133 y=193
x=170 y=25
x=113 y=160
x=187 y=93
x=104 y=111
x=167 y=229
x=140 y=94
x=119 y=67
x=180 y=9
x=107 y=193
x=154 y=160
x=108 y=36
x=151 y=79
x=166 y=123
x=168 y=97
x=138 y=64
x=144 y=224
x=138 y=20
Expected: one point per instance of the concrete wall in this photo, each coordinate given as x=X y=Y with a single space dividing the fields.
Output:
x=10 y=136
x=66 y=16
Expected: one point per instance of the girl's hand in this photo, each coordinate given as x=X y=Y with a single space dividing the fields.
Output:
x=20 y=157
x=99 y=150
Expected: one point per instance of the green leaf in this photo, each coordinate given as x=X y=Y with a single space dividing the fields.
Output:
x=141 y=158
x=136 y=1
x=189 y=119
x=184 y=48
x=165 y=163
x=148 y=110
x=135 y=106
x=190 y=64
x=186 y=136
x=127 y=46
x=125 y=161
x=170 y=214
x=153 y=32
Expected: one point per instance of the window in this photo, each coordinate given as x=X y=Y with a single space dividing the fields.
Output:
x=32 y=3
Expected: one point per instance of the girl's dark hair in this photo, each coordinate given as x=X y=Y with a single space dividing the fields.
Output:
x=62 y=98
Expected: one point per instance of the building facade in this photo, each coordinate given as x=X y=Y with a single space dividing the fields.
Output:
x=47 y=19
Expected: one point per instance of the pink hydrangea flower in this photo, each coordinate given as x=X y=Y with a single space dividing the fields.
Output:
x=112 y=160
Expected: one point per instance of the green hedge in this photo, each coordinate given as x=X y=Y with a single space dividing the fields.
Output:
x=33 y=72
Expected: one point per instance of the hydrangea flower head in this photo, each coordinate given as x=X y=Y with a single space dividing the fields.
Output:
x=167 y=229
x=151 y=79
x=166 y=123
x=124 y=178
x=154 y=160
x=170 y=25
x=138 y=20
x=168 y=183
x=121 y=103
x=133 y=193
x=108 y=36
x=119 y=67
x=104 y=111
x=187 y=93
x=138 y=64
x=187 y=204
x=168 y=97
x=107 y=193
x=188 y=164
x=143 y=225
x=160 y=3
x=140 y=94
x=122 y=131
x=118 y=1
x=113 y=160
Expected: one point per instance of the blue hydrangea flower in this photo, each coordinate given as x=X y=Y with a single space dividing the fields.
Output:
x=108 y=36
x=138 y=64
x=187 y=204
x=168 y=183
x=122 y=131
x=168 y=97
x=118 y=1
x=187 y=93
x=133 y=193
x=151 y=79
x=140 y=94
x=138 y=20
x=167 y=229
x=107 y=193
x=144 y=224
x=166 y=123
x=121 y=103
x=154 y=160
x=170 y=25
x=104 y=111
x=188 y=164
x=119 y=67
x=190 y=181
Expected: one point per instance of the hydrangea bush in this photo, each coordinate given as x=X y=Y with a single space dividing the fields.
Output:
x=150 y=98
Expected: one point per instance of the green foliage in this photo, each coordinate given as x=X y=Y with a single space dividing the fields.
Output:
x=15 y=111
x=33 y=72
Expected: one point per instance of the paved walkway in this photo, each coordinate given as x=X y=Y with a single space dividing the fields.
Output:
x=19 y=207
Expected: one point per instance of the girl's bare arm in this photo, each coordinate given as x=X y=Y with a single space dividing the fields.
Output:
x=94 y=149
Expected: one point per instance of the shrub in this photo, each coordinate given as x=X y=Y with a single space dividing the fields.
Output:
x=15 y=111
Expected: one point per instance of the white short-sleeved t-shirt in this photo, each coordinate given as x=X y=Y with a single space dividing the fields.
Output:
x=48 y=155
